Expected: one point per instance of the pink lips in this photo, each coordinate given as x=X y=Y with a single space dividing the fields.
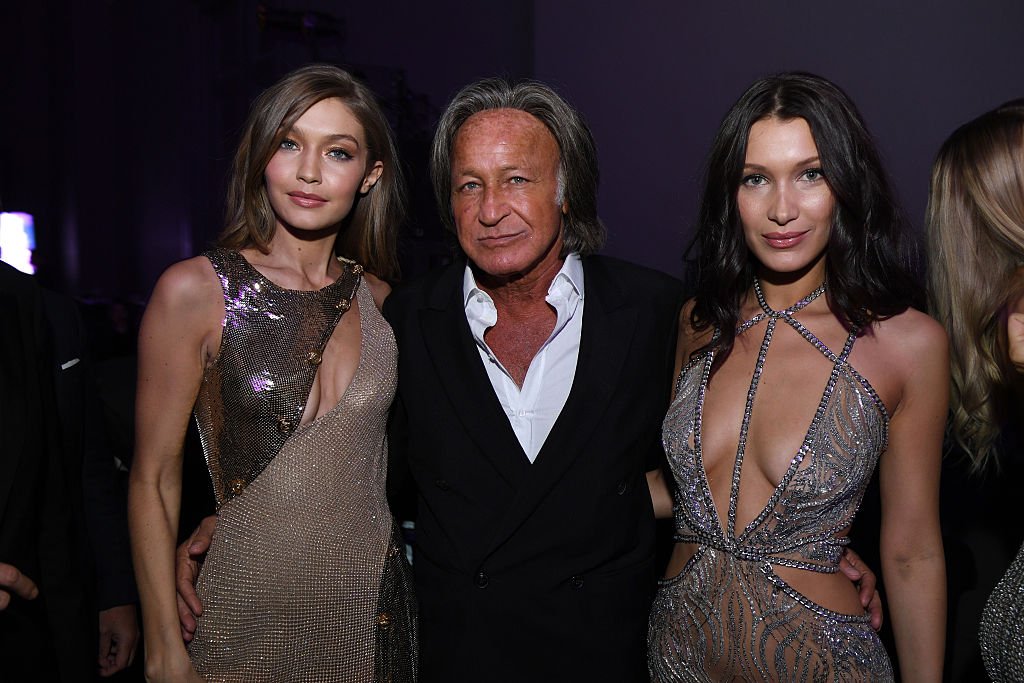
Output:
x=784 y=240
x=308 y=201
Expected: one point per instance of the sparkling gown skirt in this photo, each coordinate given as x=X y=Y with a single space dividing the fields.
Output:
x=305 y=579
x=726 y=619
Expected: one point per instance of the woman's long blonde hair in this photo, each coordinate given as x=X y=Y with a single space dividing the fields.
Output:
x=975 y=224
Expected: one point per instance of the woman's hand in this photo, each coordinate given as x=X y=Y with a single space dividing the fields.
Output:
x=1015 y=333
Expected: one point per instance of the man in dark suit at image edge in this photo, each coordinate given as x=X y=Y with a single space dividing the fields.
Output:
x=533 y=378
x=46 y=622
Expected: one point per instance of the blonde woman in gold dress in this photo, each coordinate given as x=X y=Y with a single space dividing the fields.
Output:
x=275 y=340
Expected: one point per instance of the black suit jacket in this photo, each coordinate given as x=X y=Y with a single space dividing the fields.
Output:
x=545 y=571
x=51 y=637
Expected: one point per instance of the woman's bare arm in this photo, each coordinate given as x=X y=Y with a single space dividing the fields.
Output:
x=911 y=542
x=177 y=337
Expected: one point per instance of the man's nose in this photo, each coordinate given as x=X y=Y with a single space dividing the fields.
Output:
x=493 y=206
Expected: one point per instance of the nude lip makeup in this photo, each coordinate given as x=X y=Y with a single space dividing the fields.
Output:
x=784 y=240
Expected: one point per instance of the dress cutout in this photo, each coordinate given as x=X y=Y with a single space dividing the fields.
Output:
x=306 y=579
x=727 y=616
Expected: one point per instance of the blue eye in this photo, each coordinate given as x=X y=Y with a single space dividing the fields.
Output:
x=339 y=154
x=471 y=185
x=755 y=180
x=813 y=174
x=517 y=180
x=288 y=144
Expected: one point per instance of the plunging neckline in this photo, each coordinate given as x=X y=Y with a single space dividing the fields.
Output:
x=356 y=300
x=728 y=533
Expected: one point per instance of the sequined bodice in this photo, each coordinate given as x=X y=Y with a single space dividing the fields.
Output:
x=271 y=344
x=822 y=488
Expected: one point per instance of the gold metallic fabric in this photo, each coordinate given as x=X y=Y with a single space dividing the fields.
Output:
x=305 y=579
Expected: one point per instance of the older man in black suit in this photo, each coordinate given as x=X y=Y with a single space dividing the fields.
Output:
x=533 y=377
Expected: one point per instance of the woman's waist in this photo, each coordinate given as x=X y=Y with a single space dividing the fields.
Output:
x=819 y=552
x=823 y=589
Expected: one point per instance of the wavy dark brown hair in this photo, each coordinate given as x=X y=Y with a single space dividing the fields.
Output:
x=370 y=233
x=869 y=262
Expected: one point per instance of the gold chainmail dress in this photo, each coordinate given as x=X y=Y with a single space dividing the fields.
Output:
x=305 y=579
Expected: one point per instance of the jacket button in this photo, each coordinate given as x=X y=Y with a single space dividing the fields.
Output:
x=442 y=484
x=481 y=579
x=576 y=582
x=621 y=488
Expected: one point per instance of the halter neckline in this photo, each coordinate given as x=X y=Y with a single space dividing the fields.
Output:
x=771 y=312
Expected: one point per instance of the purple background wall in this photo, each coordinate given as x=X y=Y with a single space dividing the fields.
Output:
x=655 y=78
x=118 y=118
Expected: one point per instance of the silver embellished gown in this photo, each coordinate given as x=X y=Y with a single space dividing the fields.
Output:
x=306 y=579
x=1001 y=633
x=727 y=616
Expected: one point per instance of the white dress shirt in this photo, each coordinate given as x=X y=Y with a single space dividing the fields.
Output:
x=532 y=410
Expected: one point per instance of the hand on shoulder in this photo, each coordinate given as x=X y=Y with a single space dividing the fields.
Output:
x=1015 y=323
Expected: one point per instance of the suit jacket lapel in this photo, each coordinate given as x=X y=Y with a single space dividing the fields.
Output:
x=608 y=328
x=464 y=380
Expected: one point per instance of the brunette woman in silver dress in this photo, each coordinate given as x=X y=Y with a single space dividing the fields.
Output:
x=277 y=342
x=801 y=366
x=976 y=289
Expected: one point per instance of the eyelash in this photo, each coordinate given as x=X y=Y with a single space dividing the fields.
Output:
x=339 y=153
x=336 y=153
x=750 y=179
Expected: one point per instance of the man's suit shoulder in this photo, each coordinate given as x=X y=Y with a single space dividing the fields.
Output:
x=422 y=289
x=639 y=281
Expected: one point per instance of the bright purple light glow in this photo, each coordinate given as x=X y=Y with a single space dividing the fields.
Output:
x=17 y=240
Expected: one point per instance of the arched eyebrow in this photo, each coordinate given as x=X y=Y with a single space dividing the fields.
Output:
x=334 y=137
x=810 y=161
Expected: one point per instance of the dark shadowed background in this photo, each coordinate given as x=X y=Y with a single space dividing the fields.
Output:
x=118 y=118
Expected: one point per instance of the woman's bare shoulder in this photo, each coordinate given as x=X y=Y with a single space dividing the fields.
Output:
x=189 y=291
x=690 y=338
x=378 y=288
x=910 y=335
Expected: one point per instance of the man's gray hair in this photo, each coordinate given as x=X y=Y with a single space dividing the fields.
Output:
x=577 y=167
